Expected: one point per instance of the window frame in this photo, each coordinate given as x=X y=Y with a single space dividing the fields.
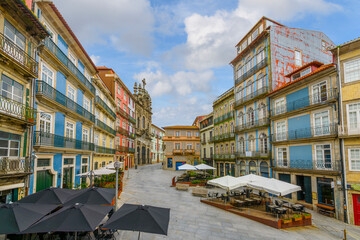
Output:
x=350 y=159
x=282 y=153
x=345 y=72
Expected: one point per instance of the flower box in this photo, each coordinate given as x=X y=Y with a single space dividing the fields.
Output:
x=307 y=216
x=297 y=219
x=286 y=221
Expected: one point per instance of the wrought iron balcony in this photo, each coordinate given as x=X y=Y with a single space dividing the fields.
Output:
x=325 y=130
x=51 y=140
x=210 y=140
x=16 y=110
x=253 y=70
x=105 y=127
x=250 y=96
x=122 y=112
x=189 y=151
x=224 y=117
x=203 y=141
x=226 y=156
x=178 y=151
x=309 y=164
x=314 y=99
x=62 y=57
x=101 y=103
x=44 y=89
x=248 y=125
x=18 y=56
x=132 y=150
x=252 y=154
x=131 y=119
x=352 y=130
x=122 y=131
x=14 y=165
x=104 y=150
x=224 y=137
x=122 y=149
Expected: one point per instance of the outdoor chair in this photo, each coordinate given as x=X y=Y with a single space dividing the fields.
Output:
x=297 y=207
x=279 y=203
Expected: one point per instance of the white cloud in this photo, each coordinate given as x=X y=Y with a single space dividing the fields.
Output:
x=126 y=24
x=95 y=59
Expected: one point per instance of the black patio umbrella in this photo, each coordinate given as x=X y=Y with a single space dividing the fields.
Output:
x=16 y=217
x=50 y=196
x=142 y=218
x=73 y=218
x=93 y=195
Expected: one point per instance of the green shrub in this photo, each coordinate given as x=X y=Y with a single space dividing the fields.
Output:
x=297 y=216
x=196 y=182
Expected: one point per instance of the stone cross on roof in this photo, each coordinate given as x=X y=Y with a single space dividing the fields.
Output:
x=144 y=83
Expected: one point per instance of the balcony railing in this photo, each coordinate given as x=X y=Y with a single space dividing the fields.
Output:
x=250 y=96
x=249 y=125
x=250 y=154
x=17 y=110
x=131 y=119
x=324 y=130
x=224 y=117
x=224 y=137
x=99 y=101
x=122 y=112
x=105 y=127
x=178 y=151
x=68 y=63
x=253 y=70
x=122 y=149
x=226 y=156
x=122 y=131
x=52 y=140
x=132 y=150
x=10 y=49
x=189 y=151
x=314 y=99
x=48 y=91
x=132 y=135
x=104 y=150
x=203 y=141
x=326 y=165
x=14 y=165
x=346 y=131
x=211 y=140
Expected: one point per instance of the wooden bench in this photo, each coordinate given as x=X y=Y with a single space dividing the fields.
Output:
x=200 y=192
x=326 y=210
x=182 y=187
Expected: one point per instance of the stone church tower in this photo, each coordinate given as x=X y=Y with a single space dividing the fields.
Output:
x=143 y=113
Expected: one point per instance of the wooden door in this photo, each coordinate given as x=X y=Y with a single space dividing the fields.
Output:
x=356 y=204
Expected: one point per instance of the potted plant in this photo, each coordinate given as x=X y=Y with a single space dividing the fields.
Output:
x=306 y=215
x=287 y=221
x=297 y=217
x=126 y=167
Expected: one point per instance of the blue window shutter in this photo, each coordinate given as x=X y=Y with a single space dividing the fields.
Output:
x=298 y=99
x=62 y=44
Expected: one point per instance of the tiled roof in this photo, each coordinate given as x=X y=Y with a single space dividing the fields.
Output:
x=321 y=68
x=52 y=5
x=313 y=63
x=346 y=43
x=180 y=126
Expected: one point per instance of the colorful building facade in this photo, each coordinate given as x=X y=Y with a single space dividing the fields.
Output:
x=347 y=58
x=157 y=144
x=224 y=134
x=182 y=145
x=306 y=152
x=65 y=98
x=20 y=34
x=207 y=140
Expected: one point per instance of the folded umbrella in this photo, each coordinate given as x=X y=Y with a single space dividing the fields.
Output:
x=142 y=218
x=16 y=217
x=93 y=195
x=73 y=218
x=50 y=196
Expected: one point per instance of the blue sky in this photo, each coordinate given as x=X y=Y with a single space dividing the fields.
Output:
x=183 y=48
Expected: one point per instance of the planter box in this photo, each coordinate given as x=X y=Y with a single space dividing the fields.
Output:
x=307 y=217
x=297 y=219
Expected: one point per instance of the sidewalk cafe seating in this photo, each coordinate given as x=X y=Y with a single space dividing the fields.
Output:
x=297 y=207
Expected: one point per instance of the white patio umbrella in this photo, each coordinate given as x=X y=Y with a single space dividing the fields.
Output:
x=97 y=172
x=275 y=186
x=204 y=167
x=187 y=167
x=228 y=183
x=112 y=167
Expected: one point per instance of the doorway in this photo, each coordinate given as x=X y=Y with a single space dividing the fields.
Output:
x=305 y=183
x=356 y=204
x=44 y=179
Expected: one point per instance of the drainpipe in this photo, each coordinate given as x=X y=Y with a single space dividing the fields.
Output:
x=341 y=141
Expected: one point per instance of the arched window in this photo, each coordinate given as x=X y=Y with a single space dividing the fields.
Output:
x=226 y=128
x=260 y=83
x=232 y=148
x=252 y=167
x=240 y=118
x=221 y=149
x=251 y=143
x=216 y=131
x=231 y=127
x=264 y=169
x=250 y=117
x=261 y=111
x=248 y=64
x=143 y=123
x=226 y=148
x=221 y=129
x=260 y=55
x=217 y=150
x=240 y=93
x=241 y=145
x=138 y=122
x=239 y=71
x=242 y=168
x=263 y=143
x=249 y=89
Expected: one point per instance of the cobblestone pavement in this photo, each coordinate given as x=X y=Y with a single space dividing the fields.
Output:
x=191 y=219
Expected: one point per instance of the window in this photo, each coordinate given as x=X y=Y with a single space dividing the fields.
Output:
x=96 y=165
x=143 y=122
x=354 y=159
x=68 y=161
x=280 y=131
x=97 y=114
x=323 y=156
x=352 y=70
x=261 y=112
x=263 y=143
x=260 y=82
x=43 y=162
x=251 y=146
x=11 y=89
x=197 y=134
x=197 y=146
x=72 y=58
x=177 y=133
x=249 y=89
x=119 y=90
x=260 y=55
x=353 y=116
x=282 y=157
x=255 y=33
x=241 y=145
x=322 y=125
x=248 y=64
x=86 y=104
x=111 y=143
x=96 y=139
x=189 y=146
x=279 y=106
x=46 y=74
x=305 y=72
x=242 y=168
x=69 y=133
x=14 y=35
x=298 y=58
x=232 y=148
x=188 y=134
x=177 y=146
x=252 y=167
x=319 y=93
x=51 y=32
x=239 y=71
x=45 y=122
x=71 y=92
x=85 y=135
x=250 y=117
x=241 y=118
x=104 y=141
x=244 y=45
x=9 y=144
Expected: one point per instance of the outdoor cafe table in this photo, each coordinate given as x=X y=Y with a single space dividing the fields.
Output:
x=239 y=202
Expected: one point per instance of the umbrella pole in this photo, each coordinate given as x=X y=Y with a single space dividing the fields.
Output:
x=75 y=235
x=139 y=236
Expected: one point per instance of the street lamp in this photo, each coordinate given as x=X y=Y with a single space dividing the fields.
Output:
x=128 y=166
x=117 y=165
